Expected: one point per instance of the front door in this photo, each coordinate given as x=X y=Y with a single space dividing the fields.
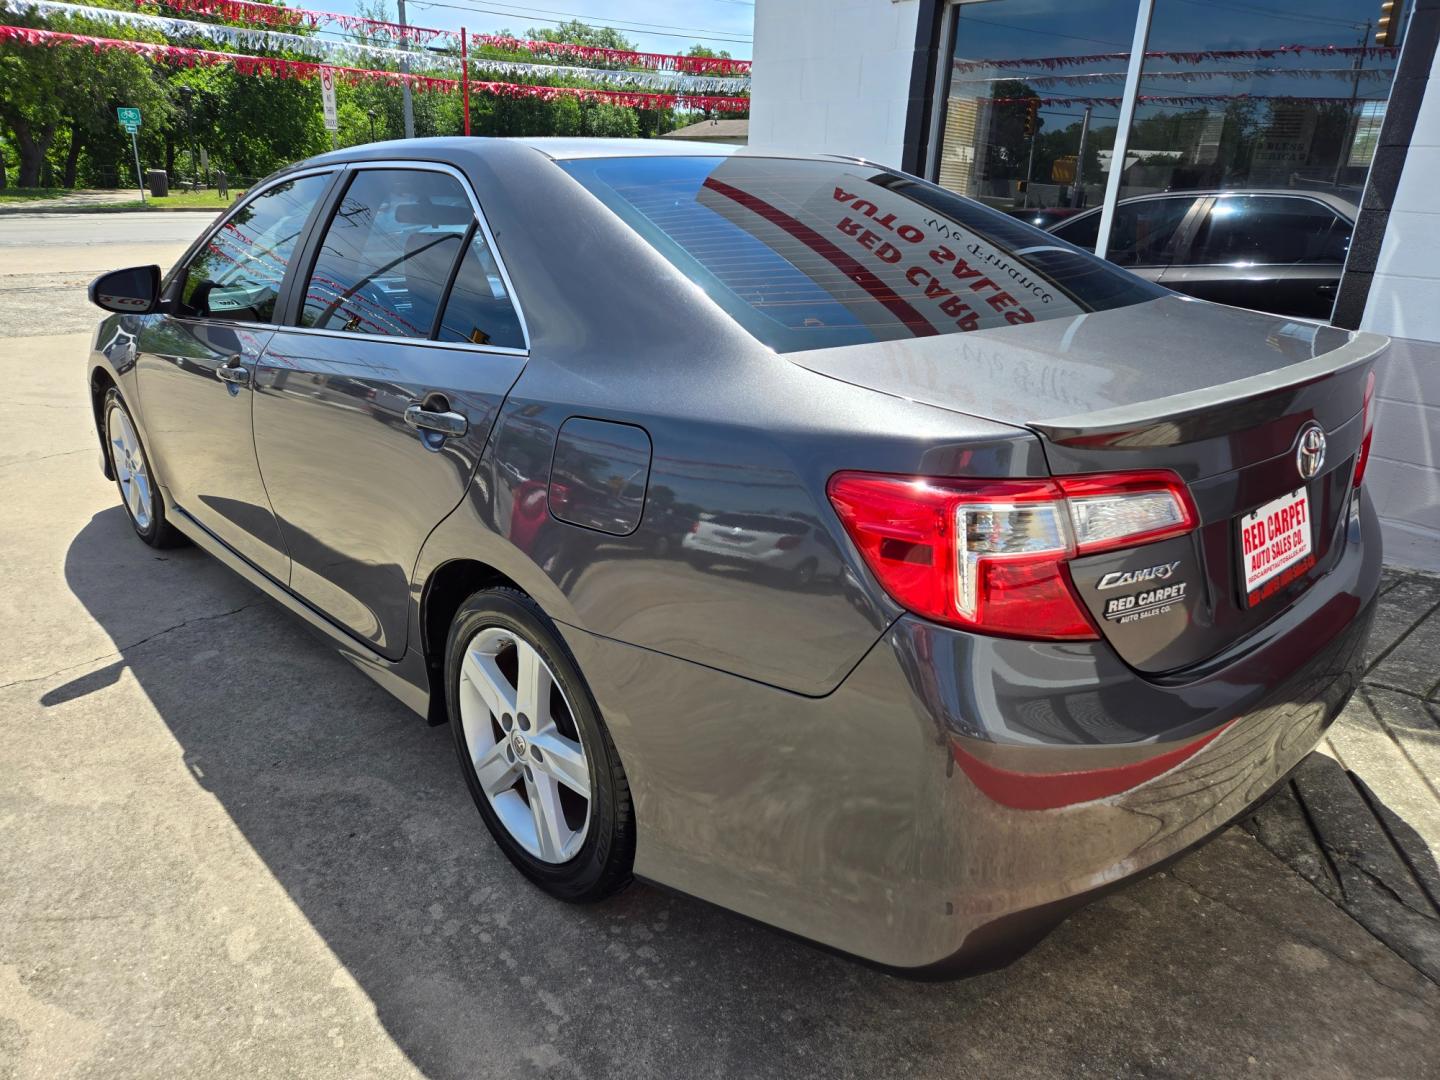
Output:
x=196 y=364
x=371 y=414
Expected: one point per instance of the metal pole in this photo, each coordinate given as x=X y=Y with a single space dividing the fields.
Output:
x=139 y=180
x=1029 y=170
x=1080 y=159
x=465 y=78
x=1122 y=126
x=1351 y=120
x=407 y=107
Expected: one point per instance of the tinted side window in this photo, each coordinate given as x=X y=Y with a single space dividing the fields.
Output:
x=479 y=309
x=1270 y=229
x=1144 y=231
x=1083 y=231
x=237 y=274
x=387 y=254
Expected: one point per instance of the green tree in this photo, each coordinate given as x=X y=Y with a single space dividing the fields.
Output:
x=44 y=91
x=575 y=32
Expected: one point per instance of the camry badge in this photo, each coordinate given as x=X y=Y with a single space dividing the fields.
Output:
x=1310 y=450
x=1116 y=578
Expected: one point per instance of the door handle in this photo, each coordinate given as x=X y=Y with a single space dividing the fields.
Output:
x=447 y=424
x=232 y=372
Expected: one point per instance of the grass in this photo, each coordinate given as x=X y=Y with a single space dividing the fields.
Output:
x=20 y=195
x=177 y=200
x=126 y=199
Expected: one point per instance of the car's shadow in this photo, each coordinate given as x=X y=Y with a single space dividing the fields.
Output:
x=357 y=809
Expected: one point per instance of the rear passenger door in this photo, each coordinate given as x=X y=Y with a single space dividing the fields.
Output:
x=373 y=404
x=1277 y=253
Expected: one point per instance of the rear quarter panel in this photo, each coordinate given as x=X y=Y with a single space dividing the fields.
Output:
x=617 y=334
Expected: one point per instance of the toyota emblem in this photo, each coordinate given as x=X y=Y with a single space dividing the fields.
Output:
x=1310 y=450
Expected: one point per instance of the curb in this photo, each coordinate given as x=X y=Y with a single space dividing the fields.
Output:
x=37 y=211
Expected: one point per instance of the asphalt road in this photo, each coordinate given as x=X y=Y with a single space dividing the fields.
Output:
x=46 y=260
x=225 y=853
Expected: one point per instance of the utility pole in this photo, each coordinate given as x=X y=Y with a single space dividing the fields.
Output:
x=1351 y=118
x=406 y=105
x=1080 y=159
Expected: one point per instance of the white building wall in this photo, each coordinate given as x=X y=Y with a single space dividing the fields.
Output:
x=833 y=76
x=1404 y=302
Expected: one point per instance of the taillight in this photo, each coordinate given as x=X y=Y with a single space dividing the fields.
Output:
x=785 y=543
x=990 y=555
x=1368 y=427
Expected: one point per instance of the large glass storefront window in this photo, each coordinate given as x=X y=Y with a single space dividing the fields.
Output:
x=1246 y=97
x=1029 y=83
x=1237 y=94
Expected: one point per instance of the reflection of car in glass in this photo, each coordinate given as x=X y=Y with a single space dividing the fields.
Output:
x=1099 y=564
x=758 y=541
x=1042 y=217
x=1279 y=251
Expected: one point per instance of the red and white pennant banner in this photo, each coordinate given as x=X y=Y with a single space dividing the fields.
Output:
x=266 y=14
x=696 y=65
x=1050 y=63
x=305 y=69
x=352 y=53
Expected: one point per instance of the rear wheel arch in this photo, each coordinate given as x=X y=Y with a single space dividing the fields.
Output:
x=448 y=587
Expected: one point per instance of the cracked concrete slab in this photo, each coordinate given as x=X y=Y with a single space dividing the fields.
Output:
x=227 y=853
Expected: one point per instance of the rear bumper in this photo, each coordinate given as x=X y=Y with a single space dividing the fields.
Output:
x=957 y=795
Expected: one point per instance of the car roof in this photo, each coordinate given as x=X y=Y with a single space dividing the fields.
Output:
x=1348 y=207
x=557 y=148
x=566 y=149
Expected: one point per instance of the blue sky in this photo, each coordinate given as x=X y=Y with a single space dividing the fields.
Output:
x=654 y=25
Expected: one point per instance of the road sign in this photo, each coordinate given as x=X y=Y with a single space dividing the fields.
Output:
x=327 y=98
x=130 y=120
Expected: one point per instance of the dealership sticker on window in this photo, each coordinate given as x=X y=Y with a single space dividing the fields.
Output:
x=1275 y=544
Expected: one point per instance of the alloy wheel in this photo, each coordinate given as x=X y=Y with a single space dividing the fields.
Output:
x=130 y=469
x=524 y=743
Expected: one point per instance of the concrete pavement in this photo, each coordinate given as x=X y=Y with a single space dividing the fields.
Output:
x=226 y=853
x=47 y=260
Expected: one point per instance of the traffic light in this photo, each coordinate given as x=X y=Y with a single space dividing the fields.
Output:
x=1387 y=31
x=1032 y=106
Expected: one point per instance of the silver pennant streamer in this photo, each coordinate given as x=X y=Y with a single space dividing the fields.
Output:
x=354 y=52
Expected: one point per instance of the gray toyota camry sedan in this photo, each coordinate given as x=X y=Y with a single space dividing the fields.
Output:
x=785 y=530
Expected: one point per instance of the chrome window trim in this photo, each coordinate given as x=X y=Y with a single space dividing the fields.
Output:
x=440 y=167
x=225 y=219
x=350 y=167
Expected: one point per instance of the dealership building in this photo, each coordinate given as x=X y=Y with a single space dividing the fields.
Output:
x=1060 y=108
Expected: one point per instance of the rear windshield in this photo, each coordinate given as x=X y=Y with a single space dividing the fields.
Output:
x=815 y=254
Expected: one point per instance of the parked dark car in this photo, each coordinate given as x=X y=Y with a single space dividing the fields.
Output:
x=1043 y=217
x=1279 y=251
x=788 y=531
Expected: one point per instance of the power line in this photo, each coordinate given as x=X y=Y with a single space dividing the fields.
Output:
x=1274 y=13
x=633 y=26
x=557 y=22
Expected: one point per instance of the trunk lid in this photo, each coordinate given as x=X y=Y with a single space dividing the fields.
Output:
x=1220 y=396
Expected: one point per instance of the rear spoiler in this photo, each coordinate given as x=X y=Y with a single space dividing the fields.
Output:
x=1212 y=410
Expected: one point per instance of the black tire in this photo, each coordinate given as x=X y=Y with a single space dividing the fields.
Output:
x=157 y=532
x=603 y=864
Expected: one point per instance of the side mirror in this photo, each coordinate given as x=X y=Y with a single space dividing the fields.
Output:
x=135 y=291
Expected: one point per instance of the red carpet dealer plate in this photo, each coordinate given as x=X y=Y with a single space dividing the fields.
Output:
x=1275 y=538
